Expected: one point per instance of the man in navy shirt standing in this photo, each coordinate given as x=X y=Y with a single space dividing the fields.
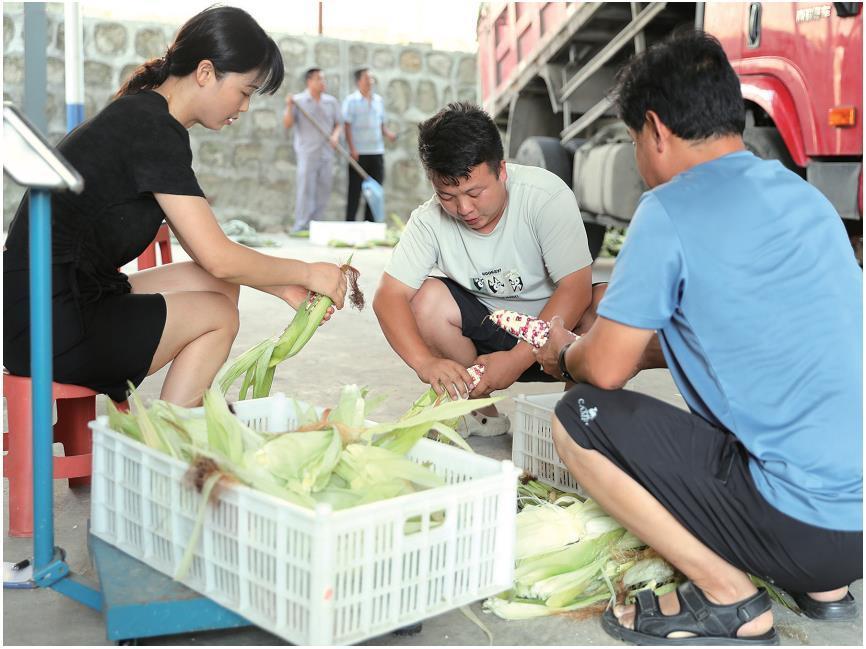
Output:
x=737 y=275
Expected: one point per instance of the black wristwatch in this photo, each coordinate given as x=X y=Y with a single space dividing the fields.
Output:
x=561 y=363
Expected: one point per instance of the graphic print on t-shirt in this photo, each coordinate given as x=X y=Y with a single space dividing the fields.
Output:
x=500 y=283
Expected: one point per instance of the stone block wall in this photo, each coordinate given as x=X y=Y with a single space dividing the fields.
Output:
x=248 y=169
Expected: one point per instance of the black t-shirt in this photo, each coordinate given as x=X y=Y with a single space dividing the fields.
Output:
x=132 y=149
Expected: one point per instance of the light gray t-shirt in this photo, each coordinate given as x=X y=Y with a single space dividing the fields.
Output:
x=327 y=114
x=539 y=240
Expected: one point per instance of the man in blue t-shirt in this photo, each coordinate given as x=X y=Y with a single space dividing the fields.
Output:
x=364 y=115
x=738 y=276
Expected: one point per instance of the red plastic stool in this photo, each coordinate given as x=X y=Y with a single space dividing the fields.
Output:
x=76 y=406
x=147 y=259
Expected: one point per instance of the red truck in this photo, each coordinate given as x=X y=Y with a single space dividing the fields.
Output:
x=545 y=70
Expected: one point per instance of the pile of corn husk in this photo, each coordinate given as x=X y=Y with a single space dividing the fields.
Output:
x=570 y=555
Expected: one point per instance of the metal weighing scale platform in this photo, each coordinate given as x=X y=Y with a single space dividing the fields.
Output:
x=140 y=602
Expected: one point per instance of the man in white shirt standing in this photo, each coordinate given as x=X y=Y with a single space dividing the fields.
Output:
x=364 y=115
x=504 y=236
x=313 y=151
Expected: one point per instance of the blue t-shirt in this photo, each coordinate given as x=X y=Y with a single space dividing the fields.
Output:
x=366 y=117
x=746 y=272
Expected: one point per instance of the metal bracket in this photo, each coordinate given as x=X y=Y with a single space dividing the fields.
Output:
x=53 y=572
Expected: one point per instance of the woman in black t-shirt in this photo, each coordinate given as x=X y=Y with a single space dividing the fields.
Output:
x=136 y=160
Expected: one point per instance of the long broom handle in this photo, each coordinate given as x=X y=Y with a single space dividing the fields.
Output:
x=338 y=146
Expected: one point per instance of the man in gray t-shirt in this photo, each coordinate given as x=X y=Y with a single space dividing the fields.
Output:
x=504 y=236
x=313 y=151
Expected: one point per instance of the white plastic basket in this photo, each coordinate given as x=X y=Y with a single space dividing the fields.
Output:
x=313 y=577
x=354 y=232
x=532 y=447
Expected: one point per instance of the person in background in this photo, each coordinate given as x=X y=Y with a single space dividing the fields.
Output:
x=364 y=117
x=136 y=160
x=727 y=263
x=314 y=152
x=505 y=236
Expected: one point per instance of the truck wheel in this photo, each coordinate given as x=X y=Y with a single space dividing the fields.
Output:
x=765 y=142
x=548 y=153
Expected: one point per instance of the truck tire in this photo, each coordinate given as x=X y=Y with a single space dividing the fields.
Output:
x=548 y=153
x=765 y=142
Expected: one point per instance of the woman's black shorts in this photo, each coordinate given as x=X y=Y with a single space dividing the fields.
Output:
x=701 y=475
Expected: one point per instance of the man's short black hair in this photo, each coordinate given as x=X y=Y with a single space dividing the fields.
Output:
x=688 y=82
x=456 y=140
x=309 y=73
x=359 y=73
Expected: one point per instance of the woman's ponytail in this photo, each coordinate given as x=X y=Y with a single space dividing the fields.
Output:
x=148 y=75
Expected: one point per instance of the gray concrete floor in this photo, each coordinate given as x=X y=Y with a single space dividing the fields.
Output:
x=350 y=349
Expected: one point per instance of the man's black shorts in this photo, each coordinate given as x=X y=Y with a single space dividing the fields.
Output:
x=700 y=474
x=488 y=338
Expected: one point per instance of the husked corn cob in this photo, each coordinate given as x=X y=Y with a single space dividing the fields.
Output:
x=532 y=330
x=430 y=397
x=476 y=372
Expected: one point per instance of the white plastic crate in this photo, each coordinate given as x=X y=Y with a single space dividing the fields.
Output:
x=354 y=232
x=313 y=577
x=532 y=447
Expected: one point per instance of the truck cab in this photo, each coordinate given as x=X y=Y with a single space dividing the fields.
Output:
x=545 y=70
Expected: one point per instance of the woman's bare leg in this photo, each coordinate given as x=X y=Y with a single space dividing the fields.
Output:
x=179 y=277
x=201 y=324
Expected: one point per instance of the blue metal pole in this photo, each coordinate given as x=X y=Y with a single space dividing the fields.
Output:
x=41 y=352
x=74 y=66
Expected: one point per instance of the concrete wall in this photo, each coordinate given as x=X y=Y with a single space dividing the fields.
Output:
x=248 y=169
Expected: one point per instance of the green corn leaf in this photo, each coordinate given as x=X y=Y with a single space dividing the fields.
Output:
x=351 y=408
x=149 y=433
x=567 y=589
x=186 y=561
x=571 y=557
x=241 y=365
x=268 y=381
x=438 y=413
x=516 y=609
x=402 y=440
x=123 y=422
x=247 y=382
x=452 y=436
x=261 y=371
x=224 y=432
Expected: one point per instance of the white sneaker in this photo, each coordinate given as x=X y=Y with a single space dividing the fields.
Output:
x=481 y=425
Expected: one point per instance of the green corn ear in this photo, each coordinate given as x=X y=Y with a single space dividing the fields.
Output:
x=290 y=334
x=317 y=307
